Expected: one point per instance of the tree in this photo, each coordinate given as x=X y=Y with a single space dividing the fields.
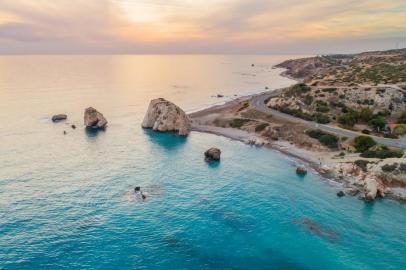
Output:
x=402 y=118
x=377 y=123
x=363 y=143
x=366 y=114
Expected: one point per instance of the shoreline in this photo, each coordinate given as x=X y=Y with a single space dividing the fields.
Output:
x=322 y=164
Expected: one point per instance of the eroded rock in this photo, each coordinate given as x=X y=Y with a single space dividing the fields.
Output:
x=94 y=119
x=163 y=115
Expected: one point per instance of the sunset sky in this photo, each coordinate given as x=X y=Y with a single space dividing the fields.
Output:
x=201 y=26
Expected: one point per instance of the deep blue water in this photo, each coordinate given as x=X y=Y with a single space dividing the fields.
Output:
x=66 y=201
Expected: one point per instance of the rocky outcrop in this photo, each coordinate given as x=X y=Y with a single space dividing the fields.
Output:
x=370 y=189
x=163 y=115
x=94 y=119
x=59 y=117
x=212 y=154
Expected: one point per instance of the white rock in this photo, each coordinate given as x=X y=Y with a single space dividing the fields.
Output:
x=163 y=115
x=370 y=189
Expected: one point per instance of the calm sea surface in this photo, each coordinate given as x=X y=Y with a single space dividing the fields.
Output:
x=66 y=201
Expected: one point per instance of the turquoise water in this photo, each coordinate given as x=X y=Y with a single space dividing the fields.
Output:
x=66 y=201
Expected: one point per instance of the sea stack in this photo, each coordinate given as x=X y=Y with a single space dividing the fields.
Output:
x=164 y=116
x=94 y=119
x=212 y=154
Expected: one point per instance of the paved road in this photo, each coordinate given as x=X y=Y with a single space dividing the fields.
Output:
x=258 y=102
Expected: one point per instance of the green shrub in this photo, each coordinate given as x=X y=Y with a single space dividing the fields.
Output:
x=261 y=127
x=321 y=118
x=389 y=167
x=329 y=140
x=363 y=164
x=297 y=89
x=315 y=133
x=382 y=152
x=402 y=118
x=297 y=113
x=363 y=143
x=400 y=130
x=349 y=119
x=366 y=114
x=238 y=122
x=324 y=138
x=244 y=106
x=377 y=123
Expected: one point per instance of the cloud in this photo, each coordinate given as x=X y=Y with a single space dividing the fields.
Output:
x=219 y=26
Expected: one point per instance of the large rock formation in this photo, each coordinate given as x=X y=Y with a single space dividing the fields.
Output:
x=94 y=119
x=163 y=115
x=212 y=154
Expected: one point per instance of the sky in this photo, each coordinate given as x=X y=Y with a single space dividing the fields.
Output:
x=200 y=26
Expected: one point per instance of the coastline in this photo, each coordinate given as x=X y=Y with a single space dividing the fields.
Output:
x=320 y=163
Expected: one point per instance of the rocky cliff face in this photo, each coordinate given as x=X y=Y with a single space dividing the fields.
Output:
x=163 y=115
x=94 y=119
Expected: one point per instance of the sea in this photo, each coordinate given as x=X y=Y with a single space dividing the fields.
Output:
x=67 y=201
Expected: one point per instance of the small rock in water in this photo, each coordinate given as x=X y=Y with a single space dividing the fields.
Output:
x=137 y=189
x=59 y=117
x=340 y=193
x=252 y=65
x=220 y=95
x=64 y=132
x=301 y=170
x=143 y=196
x=73 y=126
x=266 y=87
x=212 y=154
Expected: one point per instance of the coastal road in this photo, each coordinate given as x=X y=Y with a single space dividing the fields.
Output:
x=258 y=102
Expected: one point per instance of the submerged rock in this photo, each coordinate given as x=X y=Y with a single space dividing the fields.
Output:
x=94 y=119
x=301 y=170
x=212 y=154
x=59 y=117
x=163 y=115
x=340 y=193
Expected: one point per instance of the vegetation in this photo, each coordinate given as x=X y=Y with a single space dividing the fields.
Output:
x=348 y=119
x=389 y=167
x=297 y=113
x=324 y=138
x=400 y=129
x=322 y=106
x=321 y=118
x=377 y=123
x=297 y=89
x=238 y=122
x=363 y=164
x=363 y=143
x=244 y=106
x=261 y=127
x=382 y=152
x=402 y=118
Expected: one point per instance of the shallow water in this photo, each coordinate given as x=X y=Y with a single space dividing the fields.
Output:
x=66 y=201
